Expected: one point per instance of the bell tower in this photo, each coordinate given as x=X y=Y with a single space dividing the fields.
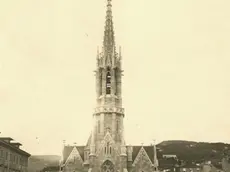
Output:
x=105 y=150
x=107 y=141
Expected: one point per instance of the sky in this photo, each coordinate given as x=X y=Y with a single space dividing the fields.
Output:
x=176 y=60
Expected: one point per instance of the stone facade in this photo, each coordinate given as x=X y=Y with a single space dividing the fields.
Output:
x=106 y=150
x=12 y=158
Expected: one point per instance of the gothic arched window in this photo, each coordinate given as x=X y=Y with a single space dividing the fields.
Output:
x=110 y=150
x=107 y=148
x=100 y=82
x=98 y=126
x=117 y=127
x=108 y=82
x=116 y=80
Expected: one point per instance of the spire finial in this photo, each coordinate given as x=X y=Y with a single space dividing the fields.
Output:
x=109 y=32
x=155 y=153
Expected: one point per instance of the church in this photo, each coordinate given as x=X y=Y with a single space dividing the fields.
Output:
x=106 y=150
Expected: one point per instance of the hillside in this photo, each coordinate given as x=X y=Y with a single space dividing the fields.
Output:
x=193 y=151
x=188 y=151
x=38 y=162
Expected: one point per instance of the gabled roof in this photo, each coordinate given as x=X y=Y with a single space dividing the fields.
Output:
x=149 y=150
x=68 y=149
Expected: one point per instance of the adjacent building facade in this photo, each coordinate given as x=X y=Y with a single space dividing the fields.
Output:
x=12 y=158
x=106 y=150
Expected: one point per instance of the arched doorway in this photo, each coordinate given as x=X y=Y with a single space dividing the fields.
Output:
x=107 y=166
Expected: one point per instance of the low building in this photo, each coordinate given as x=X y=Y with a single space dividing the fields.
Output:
x=170 y=156
x=209 y=167
x=189 y=168
x=51 y=169
x=167 y=164
x=12 y=158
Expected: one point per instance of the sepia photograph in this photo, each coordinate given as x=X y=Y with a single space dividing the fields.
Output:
x=114 y=86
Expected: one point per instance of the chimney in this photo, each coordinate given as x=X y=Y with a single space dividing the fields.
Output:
x=17 y=145
x=6 y=139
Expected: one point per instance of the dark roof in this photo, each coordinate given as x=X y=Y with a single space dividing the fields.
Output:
x=6 y=138
x=136 y=150
x=68 y=149
x=167 y=162
x=81 y=151
x=66 y=152
x=13 y=147
x=51 y=168
x=16 y=144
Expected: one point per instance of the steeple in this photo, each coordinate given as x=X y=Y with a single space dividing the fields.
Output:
x=155 y=155
x=109 y=42
x=108 y=72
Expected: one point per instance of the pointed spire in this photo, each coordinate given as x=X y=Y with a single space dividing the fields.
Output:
x=109 y=31
x=92 y=144
x=123 y=146
x=98 y=56
x=120 y=56
x=155 y=153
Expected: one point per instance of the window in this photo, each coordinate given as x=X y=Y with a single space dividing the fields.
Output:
x=117 y=127
x=98 y=126
x=108 y=83
x=116 y=80
x=107 y=148
x=100 y=81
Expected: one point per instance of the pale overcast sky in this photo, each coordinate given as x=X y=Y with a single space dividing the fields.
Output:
x=176 y=58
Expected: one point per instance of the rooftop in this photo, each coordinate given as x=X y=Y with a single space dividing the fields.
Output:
x=6 y=142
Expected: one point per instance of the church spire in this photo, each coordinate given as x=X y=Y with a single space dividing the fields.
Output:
x=109 y=42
